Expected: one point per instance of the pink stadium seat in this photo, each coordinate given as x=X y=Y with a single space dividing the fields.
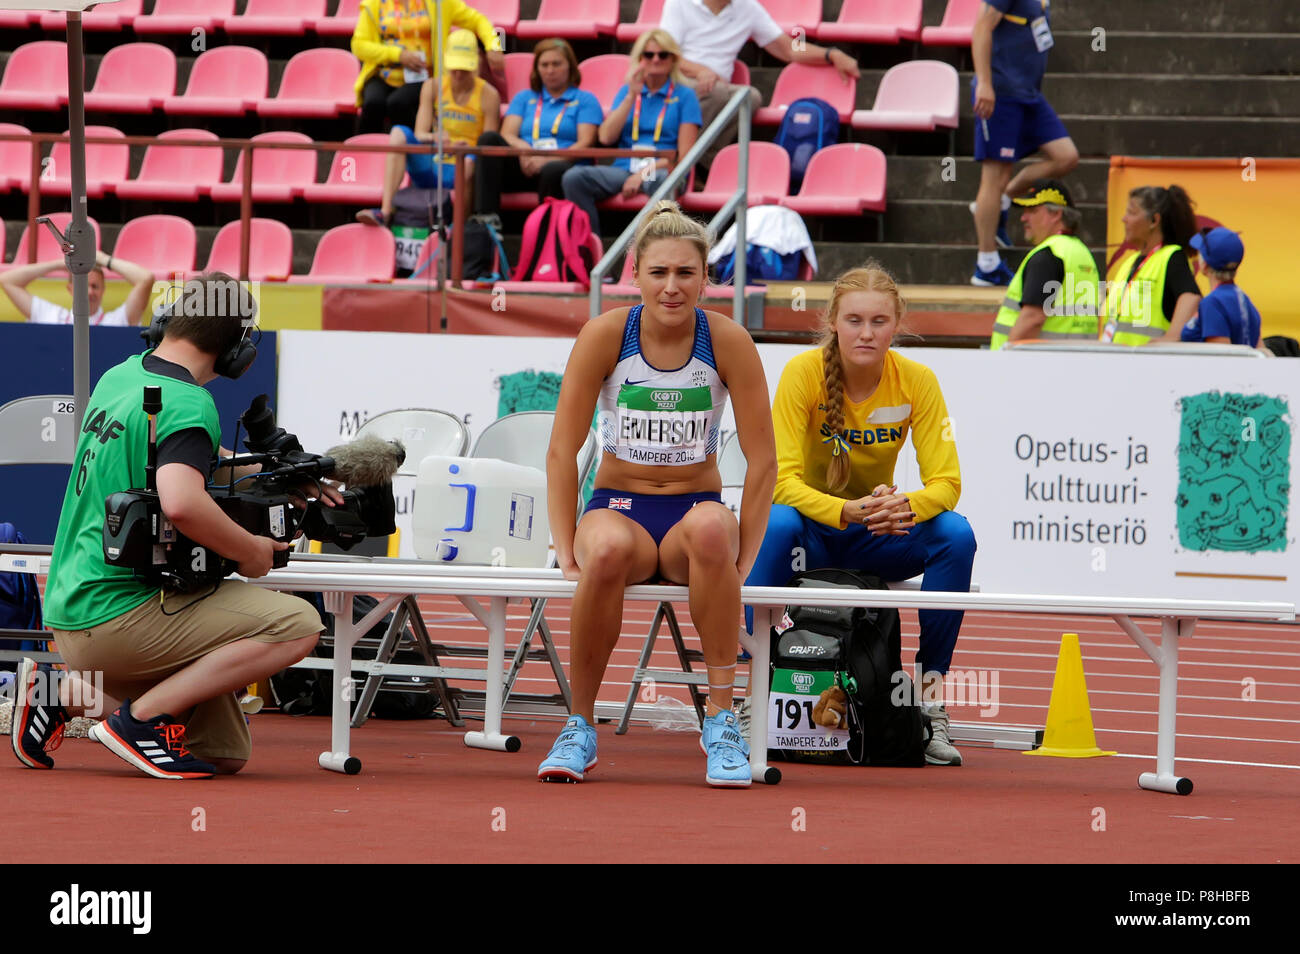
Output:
x=916 y=95
x=956 y=26
x=798 y=80
x=20 y=19
x=847 y=178
x=519 y=67
x=351 y=254
x=133 y=78
x=15 y=159
x=571 y=19
x=279 y=175
x=184 y=16
x=225 y=81
x=276 y=18
x=109 y=17
x=164 y=244
x=36 y=77
x=504 y=14
x=106 y=165
x=270 y=250
x=873 y=21
x=647 y=18
x=616 y=202
x=343 y=22
x=740 y=74
x=795 y=14
x=769 y=178
x=602 y=76
x=47 y=249
x=176 y=173
x=355 y=178
x=316 y=83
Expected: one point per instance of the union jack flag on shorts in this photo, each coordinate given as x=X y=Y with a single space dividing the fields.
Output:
x=620 y=503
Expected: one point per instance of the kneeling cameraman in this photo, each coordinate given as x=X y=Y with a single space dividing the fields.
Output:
x=159 y=651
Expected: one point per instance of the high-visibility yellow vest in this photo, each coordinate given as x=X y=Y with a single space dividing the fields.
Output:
x=1071 y=311
x=1133 y=312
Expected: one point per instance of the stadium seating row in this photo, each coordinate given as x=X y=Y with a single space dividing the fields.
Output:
x=842 y=179
x=860 y=21
x=318 y=83
x=166 y=245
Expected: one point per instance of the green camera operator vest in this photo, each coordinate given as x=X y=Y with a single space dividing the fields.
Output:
x=1134 y=310
x=1072 y=311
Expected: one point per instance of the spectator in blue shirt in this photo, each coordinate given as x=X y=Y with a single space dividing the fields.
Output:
x=1013 y=120
x=653 y=110
x=552 y=114
x=1225 y=315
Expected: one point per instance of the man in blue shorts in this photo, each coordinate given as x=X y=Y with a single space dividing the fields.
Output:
x=1012 y=120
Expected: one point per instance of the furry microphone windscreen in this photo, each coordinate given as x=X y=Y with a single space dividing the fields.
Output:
x=367 y=461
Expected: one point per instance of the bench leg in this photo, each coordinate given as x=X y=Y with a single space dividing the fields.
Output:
x=1164 y=779
x=759 y=646
x=345 y=637
x=647 y=649
x=494 y=618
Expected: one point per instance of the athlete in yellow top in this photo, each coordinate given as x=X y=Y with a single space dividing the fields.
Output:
x=841 y=414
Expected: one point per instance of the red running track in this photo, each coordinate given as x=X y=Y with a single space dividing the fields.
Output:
x=422 y=796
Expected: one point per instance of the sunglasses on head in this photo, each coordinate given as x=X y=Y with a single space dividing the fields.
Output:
x=656 y=55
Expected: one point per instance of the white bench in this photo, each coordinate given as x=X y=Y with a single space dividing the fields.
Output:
x=496 y=585
x=485 y=591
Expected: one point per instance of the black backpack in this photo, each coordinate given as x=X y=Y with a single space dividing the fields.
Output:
x=850 y=657
x=309 y=691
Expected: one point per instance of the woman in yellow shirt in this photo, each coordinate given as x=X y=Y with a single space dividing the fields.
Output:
x=841 y=415
x=395 y=42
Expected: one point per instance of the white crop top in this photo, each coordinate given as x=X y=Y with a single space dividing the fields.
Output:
x=650 y=416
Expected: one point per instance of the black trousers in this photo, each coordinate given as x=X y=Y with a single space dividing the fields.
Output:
x=381 y=103
x=497 y=174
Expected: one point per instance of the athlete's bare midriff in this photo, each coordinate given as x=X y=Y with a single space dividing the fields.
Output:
x=616 y=474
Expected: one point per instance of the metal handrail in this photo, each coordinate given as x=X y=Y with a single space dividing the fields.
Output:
x=738 y=105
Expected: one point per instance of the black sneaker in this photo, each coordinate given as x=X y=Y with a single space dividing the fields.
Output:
x=156 y=747
x=37 y=727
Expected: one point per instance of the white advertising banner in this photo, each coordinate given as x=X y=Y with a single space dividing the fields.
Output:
x=1134 y=475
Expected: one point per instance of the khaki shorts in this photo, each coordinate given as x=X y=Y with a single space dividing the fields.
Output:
x=142 y=647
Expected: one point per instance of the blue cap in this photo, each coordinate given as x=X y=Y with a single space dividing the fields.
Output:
x=1219 y=248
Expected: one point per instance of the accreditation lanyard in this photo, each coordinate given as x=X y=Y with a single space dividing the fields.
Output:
x=659 y=123
x=537 y=118
x=1123 y=295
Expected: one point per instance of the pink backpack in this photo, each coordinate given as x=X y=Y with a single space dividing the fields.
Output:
x=556 y=245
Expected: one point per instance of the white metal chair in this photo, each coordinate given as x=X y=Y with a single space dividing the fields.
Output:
x=523 y=438
x=423 y=432
x=38 y=430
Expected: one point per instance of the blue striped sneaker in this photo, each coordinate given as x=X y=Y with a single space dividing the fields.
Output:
x=727 y=750
x=37 y=722
x=573 y=753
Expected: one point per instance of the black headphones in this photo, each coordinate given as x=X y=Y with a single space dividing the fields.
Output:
x=231 y=363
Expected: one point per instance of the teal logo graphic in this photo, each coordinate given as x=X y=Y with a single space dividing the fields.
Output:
x=1234 y=469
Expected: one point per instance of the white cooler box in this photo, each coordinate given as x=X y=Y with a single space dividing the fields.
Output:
x=481 y=512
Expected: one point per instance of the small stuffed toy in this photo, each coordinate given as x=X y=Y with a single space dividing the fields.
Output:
x=832 y=709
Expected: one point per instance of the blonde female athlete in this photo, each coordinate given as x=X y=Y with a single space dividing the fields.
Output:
x=842 y=412
x=659 y=375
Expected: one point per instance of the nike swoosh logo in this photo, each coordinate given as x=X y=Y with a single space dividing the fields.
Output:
x=633 y=384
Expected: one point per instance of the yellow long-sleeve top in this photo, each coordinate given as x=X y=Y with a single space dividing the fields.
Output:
x=384 y=27
x=907 y=398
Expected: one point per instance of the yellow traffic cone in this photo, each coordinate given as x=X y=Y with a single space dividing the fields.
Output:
x=1069 y=717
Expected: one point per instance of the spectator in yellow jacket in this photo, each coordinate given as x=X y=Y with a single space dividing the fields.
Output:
x=394 y=40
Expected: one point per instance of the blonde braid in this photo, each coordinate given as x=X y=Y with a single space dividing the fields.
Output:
x=837 y=471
